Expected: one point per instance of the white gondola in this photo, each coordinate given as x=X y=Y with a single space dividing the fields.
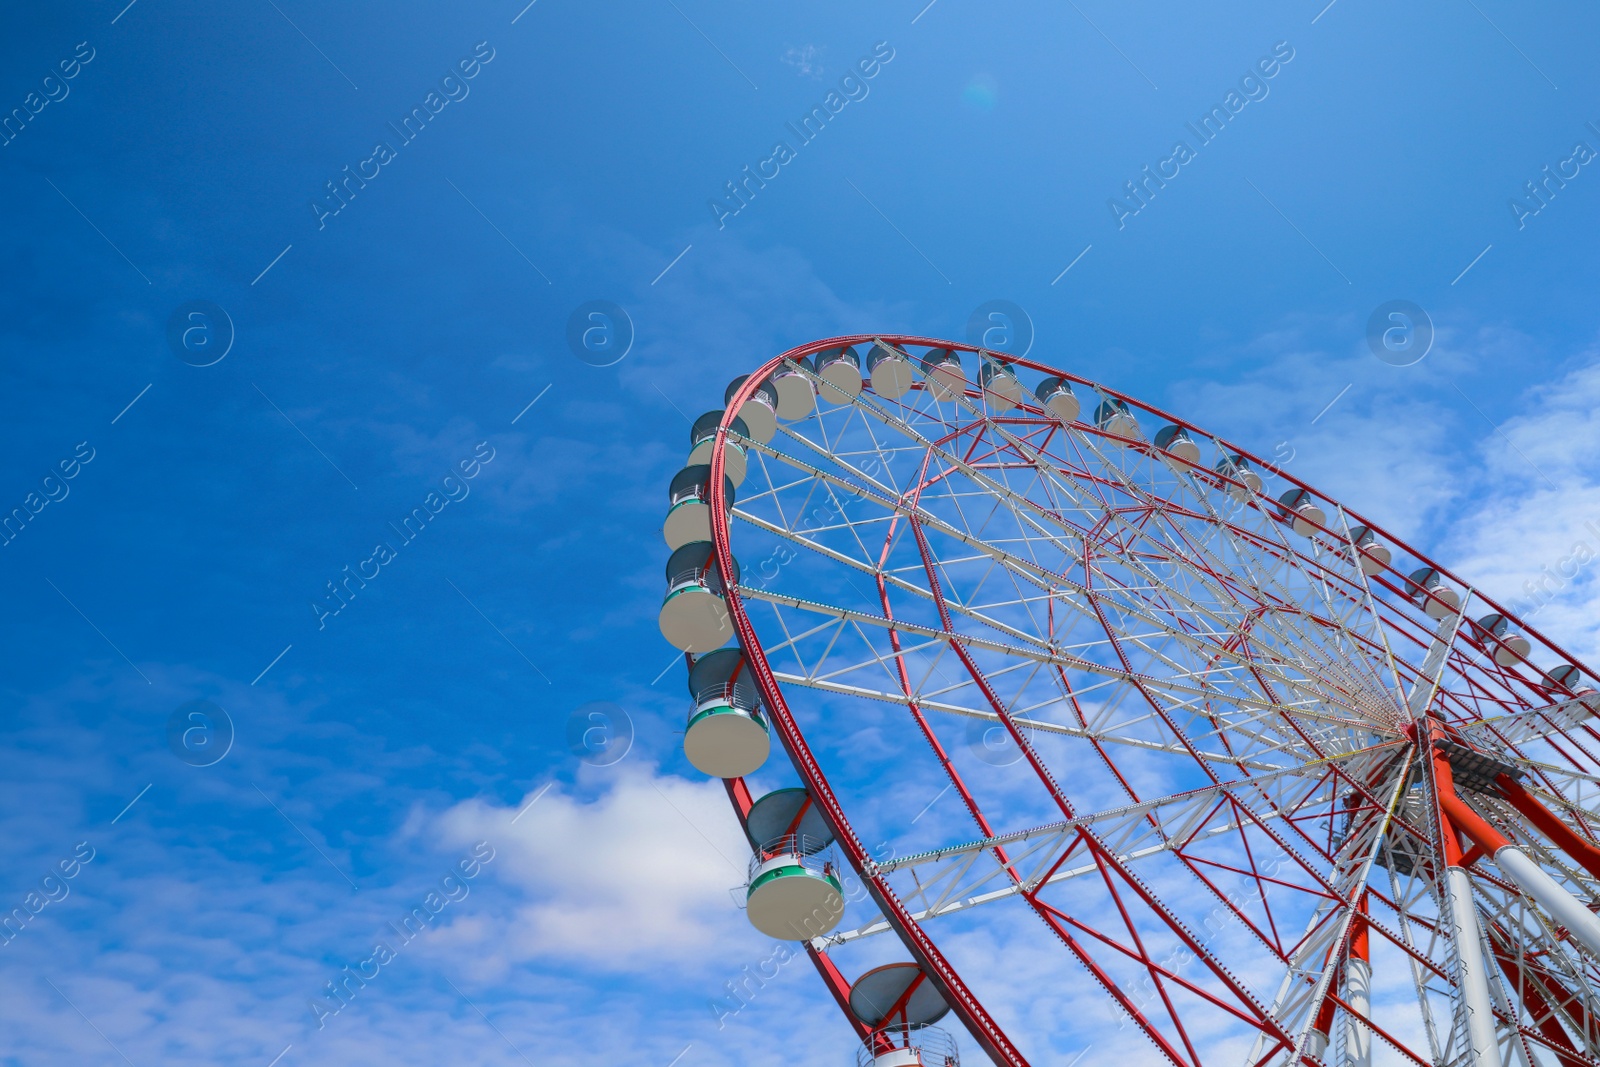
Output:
x=1000 y=386
x=786 y=811
x=1429 y=592
x=889 y=368
x=1570 y=678
x=1372 y=555
x=896 y=996
x=898 y=1004
x=727 y=736
x=942 y=369
x=703 y=439
x=793 y=893
x=1506 y=645
x=694 y=615
x=840 y=371
x=1055 y=395
x=796 y=398
x=909 y=1046
x=1114 y=418
x=689 y=514
x=904 y=1056
x=1302 y=512
x=760 y=412
x=1244 y=481
x=1179 y=450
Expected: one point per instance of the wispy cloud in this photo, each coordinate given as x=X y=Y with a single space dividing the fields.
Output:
x=805 y=61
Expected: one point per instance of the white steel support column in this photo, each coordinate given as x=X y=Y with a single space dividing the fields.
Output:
x=1525 y=872
x=1563 y=907
x=1472 y=972
x=1358 y=994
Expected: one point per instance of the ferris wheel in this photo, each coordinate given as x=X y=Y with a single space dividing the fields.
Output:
x=1102 y=731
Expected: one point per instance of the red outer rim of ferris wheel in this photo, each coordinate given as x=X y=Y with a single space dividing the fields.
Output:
x=963 y=1002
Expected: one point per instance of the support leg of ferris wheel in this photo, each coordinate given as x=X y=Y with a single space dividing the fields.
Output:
x=1314 y=1040
x=1475 y=1011
x=1502 y=1003
x=1512 y=861
x=1559 y=833
x=1515 y=864
x=1358 y=994
x=1317 y=1040
x=1472 y=972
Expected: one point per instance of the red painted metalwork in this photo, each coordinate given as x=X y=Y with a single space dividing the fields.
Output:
x=1544 y=1017
x=840 y=988
x=1444 y=791
x=1123 y=887
x=1360 y=934
x=1324 y=1023
x=899 y=1006
x=1103 y=855
x=1562 y=835
x=979 y=1023
x=739 y=794
x=1469 y=822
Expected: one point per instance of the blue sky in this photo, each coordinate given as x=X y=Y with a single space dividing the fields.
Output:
x=378 y=349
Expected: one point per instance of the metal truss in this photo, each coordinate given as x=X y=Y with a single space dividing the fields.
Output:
x=1217 y=733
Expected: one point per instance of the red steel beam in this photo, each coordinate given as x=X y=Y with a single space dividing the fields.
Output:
x=1564 y=837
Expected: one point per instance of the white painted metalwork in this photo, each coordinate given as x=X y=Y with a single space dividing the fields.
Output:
x=1199 y=687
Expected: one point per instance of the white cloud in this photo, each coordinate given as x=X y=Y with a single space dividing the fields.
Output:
x=804 y=61
x=1385 y=447
x=640 y=874
x=1528 y=541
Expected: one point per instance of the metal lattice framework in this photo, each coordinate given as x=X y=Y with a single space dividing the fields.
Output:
x=1234 y=749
